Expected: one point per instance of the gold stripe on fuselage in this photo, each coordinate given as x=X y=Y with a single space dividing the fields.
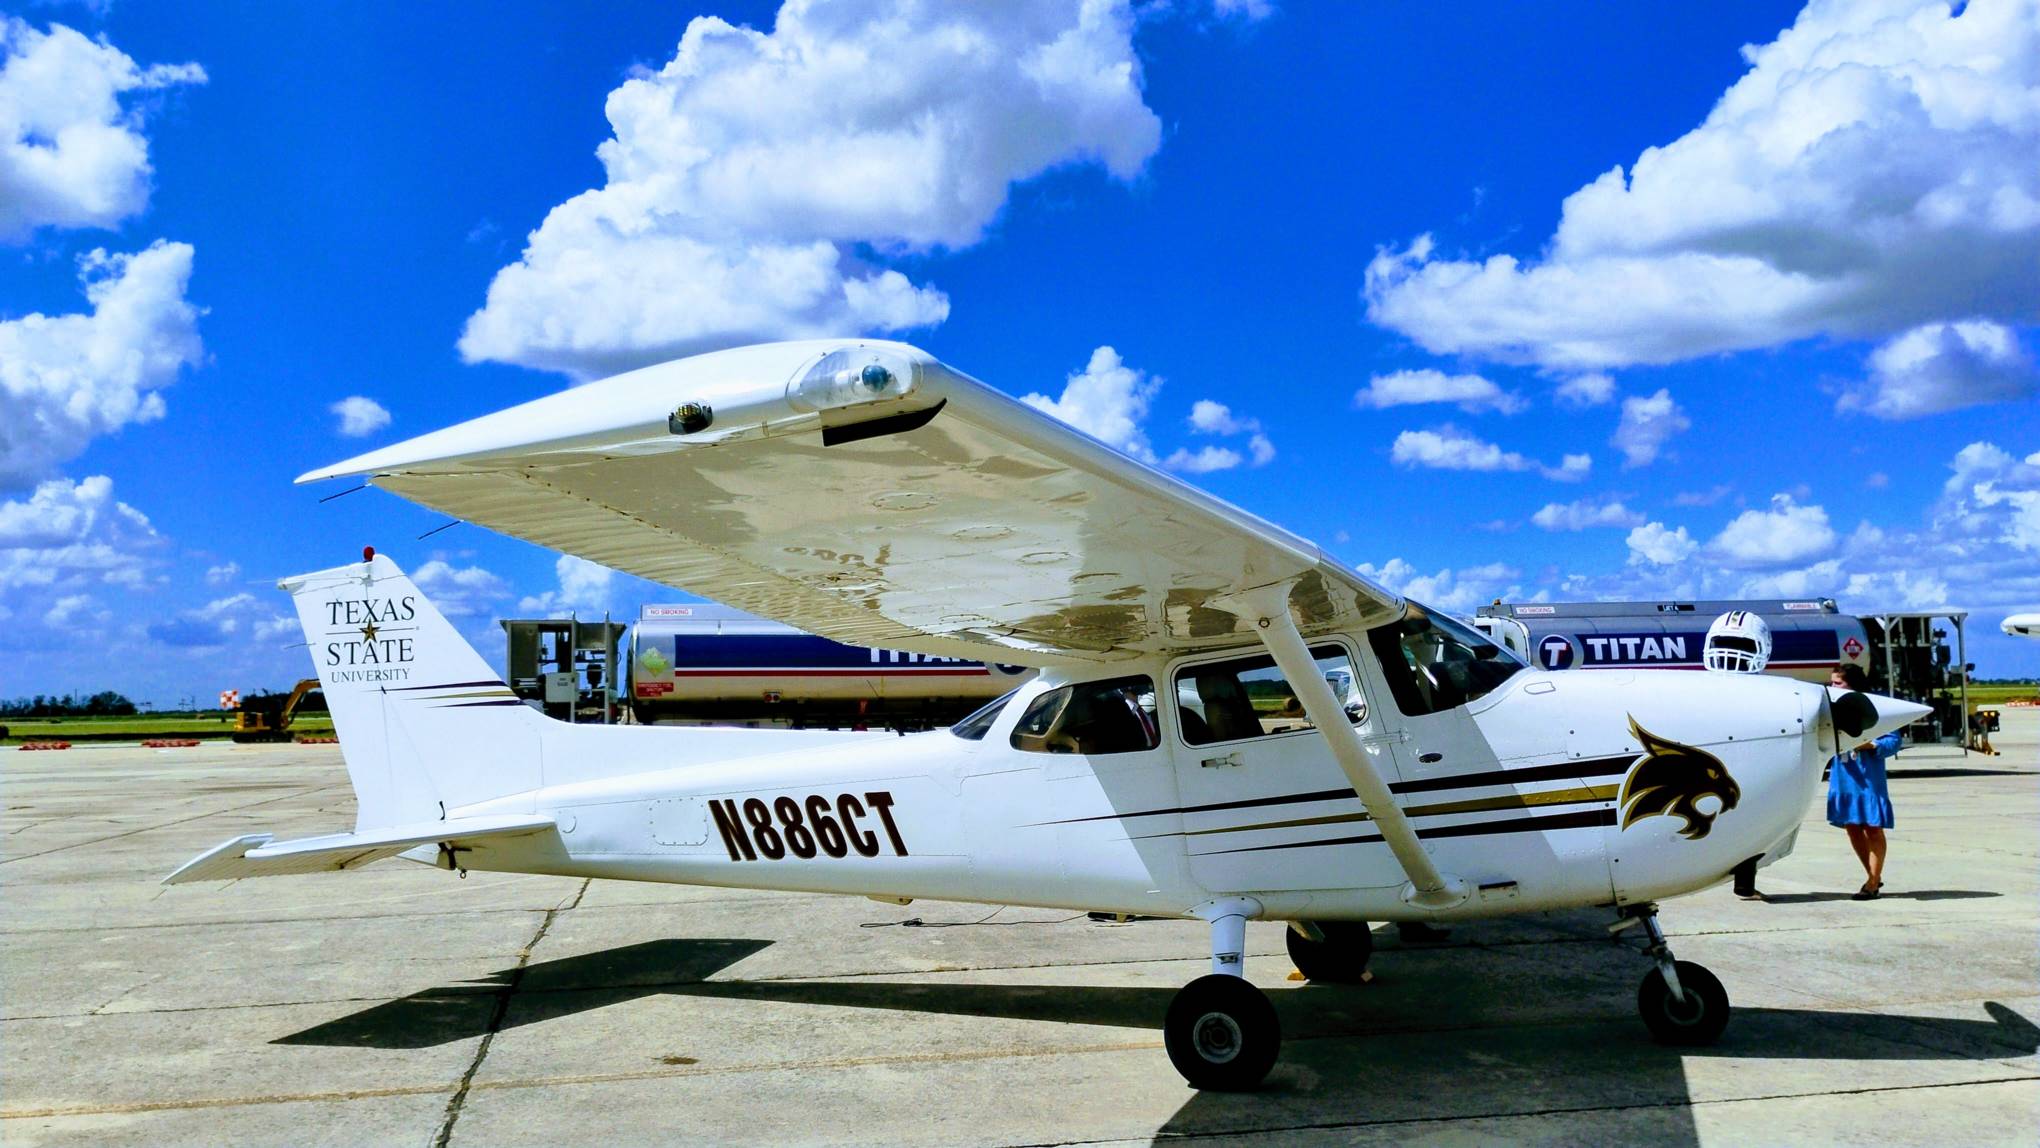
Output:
x=1469 y=805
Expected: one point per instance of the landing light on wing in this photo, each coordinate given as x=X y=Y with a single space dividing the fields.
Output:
x=852 y=375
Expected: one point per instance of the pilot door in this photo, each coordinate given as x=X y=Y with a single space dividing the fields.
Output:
x=1264 y=805
x=1509 y=811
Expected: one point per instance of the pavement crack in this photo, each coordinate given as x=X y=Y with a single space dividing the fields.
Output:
x=455 y=1102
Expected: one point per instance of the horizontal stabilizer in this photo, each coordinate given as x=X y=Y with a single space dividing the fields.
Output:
x=255 y=856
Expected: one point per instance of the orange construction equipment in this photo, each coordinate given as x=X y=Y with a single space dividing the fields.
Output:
x=267 y=717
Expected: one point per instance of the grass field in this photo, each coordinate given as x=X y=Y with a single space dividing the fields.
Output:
x=142 y=726
x=1996 y=695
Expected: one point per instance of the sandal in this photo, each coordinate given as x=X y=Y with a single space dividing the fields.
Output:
x=1867 y=892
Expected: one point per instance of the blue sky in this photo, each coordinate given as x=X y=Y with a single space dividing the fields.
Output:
x=1362 y=269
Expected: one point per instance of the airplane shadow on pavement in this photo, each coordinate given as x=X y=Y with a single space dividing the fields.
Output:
x=545 y=990
x=1559 y=1056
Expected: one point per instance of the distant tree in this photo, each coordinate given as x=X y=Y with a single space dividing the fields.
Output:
x=106 y=703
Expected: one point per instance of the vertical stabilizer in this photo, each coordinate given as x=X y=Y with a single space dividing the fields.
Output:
x=425 y=725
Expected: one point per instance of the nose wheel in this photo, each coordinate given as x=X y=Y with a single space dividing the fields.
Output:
x=1682 y=1004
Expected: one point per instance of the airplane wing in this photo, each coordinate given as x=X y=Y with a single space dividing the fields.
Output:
x=864 y=491
x=254 y=856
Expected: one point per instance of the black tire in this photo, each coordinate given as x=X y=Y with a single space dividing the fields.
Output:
x=1696 y=1022
x=1340 y=959
x=1222 y=1034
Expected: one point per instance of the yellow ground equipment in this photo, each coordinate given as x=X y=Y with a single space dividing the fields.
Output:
x=267 y=717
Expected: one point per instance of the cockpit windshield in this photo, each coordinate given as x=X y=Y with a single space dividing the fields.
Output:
x=1434 y=663
x=977 y=725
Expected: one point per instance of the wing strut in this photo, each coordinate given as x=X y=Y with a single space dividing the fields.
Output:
x=1267 y=609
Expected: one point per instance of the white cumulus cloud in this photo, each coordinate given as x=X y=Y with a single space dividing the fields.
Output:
x=67 y=534
x=1653 y=543
x=66 y=379
x=1588 y=390
x=1871 y=171
x=1210 y=417
x=1584 y=514
x=1204 y=460
x=745 y=176
x=1785 y=533
x=360 y=416
x=1472 y=393
x=459 y=591
x=1450 y=448
x=1448 y=589
x=70 y=154
x=1945 y=366
x=1647 y=424
x=583 y=588
x=1215 y=418
x=1107 y=400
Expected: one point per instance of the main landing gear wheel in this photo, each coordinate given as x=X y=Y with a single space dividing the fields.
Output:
x=1697 y=1020
x=1222 y=1034
x=1340 y=959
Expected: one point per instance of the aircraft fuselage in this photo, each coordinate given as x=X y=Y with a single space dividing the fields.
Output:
x=1521 y=793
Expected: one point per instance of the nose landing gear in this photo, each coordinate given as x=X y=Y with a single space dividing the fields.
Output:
x=1221 y=1032
x=1682 y=1004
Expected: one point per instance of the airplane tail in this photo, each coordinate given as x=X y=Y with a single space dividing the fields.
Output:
x=425 y=725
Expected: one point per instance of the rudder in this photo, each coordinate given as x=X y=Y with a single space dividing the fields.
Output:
x=425 y=724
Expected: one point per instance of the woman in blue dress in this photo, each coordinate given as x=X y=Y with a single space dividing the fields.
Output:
x=1858 y=801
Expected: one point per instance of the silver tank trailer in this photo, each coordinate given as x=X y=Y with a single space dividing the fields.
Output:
x=1809 y=636
x=706 y=663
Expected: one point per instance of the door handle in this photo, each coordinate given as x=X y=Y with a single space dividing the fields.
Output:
x=1430 y=758
x=1232 y=759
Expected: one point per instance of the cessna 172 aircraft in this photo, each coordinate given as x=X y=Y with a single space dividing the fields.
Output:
x=1228 y=724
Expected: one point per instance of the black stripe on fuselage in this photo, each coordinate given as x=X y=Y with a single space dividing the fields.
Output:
x=1581 y=819
x=448 y=686
x=1560 y=771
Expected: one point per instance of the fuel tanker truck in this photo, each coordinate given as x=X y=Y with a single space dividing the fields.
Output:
x=1809 y=636
x=1906 y=654
x=704 y=663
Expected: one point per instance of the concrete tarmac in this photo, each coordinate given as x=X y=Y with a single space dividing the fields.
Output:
x=401 y=1005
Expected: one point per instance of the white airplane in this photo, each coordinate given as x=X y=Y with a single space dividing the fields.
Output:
x=1229 y=725
x=2022 y=625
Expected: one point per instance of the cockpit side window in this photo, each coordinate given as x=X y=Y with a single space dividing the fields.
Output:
x=978 y=724
x=1249 y=697
x=1433 y=663
x=1112 y=716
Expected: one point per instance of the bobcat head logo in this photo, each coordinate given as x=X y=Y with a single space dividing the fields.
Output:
x=1669 y=778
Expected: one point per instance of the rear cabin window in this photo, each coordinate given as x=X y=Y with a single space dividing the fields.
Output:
x=1433 y=663
x=1249 y=697
x=1113 y=716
